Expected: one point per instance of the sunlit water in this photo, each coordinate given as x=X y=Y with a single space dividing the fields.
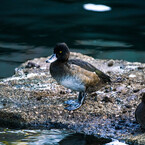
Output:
x=102 y=29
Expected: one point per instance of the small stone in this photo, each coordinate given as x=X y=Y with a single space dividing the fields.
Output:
x=131 y=98
x=119 y=79
x=124 y=111
x=132 y=133
x=4 y=104
x=121 y=88
x=124 y=91
x=135 y=90
x=132 y=76
x=121 y=122
x=110 y=63
x=31 y=65
x=118 y=127
x=140 y=67
x=128 y=106
x=107 y=99
x=62 y=92
x=39 y=98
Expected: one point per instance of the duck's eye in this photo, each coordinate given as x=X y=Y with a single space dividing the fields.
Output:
x=60 y=51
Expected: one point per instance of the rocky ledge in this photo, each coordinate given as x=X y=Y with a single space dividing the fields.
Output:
x=31 y=98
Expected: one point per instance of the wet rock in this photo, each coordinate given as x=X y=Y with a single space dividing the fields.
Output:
x=31 y=98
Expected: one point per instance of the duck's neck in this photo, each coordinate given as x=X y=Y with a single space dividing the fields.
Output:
x=58 y=69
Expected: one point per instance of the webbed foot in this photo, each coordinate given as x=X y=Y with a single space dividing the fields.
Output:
x=70 y=102
x=73 y=106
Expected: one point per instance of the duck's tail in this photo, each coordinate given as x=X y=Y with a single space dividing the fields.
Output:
x=105 y=78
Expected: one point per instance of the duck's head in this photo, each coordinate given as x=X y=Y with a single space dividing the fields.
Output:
x=61 y=53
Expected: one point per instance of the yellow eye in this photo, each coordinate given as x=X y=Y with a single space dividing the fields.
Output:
x=60 y=51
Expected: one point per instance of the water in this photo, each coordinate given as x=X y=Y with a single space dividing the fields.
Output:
x=32 y=137
x=31 y=28
x=46 y=137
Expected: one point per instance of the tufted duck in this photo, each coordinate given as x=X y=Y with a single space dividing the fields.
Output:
x=75 y=74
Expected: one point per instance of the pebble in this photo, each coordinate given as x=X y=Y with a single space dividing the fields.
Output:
x=110 y=63
x=32 y=64
x=132 y=76
x=107 y=99
x=121 y=88
x=135 y=90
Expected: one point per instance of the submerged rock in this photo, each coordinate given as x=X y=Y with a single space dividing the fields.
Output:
x=31 y=98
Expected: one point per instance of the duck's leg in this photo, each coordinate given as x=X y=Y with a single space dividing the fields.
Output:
x=75 y=104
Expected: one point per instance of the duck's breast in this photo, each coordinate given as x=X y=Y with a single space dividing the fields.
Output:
x=72 y=83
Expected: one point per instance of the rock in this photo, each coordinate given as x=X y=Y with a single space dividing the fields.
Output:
x=121 y=88
x=31 y=65
x=107 y=99
x=132 y=76
x=31 y=98
x=110 y=63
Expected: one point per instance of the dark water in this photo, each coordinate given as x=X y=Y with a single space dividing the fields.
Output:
x=47 y=137
x=30 y=28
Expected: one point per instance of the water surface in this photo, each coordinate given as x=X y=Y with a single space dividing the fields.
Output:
x=47 y=137
x=30 y=29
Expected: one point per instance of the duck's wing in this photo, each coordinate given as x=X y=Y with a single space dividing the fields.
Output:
x=85 y=65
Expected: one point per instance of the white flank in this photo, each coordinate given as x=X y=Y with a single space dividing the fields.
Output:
x=72 y=83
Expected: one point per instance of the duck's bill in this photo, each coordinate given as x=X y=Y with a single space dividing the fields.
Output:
x=51 y=59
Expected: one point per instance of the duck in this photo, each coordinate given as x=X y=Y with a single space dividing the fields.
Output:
x=140 y=112
x=75 y=74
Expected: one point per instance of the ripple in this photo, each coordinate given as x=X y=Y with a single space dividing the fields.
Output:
x=33 y=137
x=103 y=43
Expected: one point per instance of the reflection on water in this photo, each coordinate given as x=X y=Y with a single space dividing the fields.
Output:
x=32 y=137
x=47 y=137
x=97 y=8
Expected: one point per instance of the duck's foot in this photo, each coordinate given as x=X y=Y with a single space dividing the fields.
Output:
x=71 y=102
x=73 y=106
